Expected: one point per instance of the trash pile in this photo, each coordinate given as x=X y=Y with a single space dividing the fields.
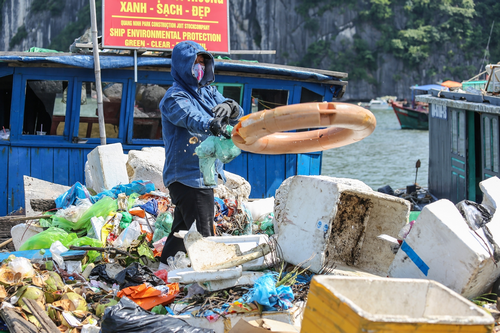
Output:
x=92 y=264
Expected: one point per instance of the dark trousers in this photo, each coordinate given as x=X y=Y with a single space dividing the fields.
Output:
x=191 y=204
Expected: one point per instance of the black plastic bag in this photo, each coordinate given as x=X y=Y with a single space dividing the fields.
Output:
x=99 y=273
x=136 y=274
x=386 y=190
x=476 y=215
x=126 y=316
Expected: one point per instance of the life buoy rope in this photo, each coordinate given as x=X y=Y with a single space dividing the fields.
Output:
x=338 y=124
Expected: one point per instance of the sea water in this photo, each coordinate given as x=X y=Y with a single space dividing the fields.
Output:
x=386 y=157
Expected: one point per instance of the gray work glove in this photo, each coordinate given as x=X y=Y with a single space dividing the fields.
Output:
x=228 y=108
x=218 y=126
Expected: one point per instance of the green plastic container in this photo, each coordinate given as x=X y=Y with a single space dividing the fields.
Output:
x=474 y=84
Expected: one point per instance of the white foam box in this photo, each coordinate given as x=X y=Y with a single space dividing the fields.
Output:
x=442 y=247
x=246 y=243
x=107 y=167
x=325 y=222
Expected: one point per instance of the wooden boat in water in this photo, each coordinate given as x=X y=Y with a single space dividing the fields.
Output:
x=414 y=115
x=411 y=118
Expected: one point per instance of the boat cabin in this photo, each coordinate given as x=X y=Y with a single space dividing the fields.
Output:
x=49 y=123
x=464 y=144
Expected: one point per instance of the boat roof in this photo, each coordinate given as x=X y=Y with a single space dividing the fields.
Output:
x=428 y=87
x=108 y=61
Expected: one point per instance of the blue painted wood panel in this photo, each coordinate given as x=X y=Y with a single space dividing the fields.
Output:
x=290 y=165
x=275 y=173
x=61 y=167
x=239 y=165
x=4 y=181
x=257 y=175
x=19 y=165
x=76 y=167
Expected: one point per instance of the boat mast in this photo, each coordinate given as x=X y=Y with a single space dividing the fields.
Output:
x=487 y=48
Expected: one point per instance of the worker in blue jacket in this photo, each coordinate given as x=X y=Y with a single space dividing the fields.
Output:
x=191 y=110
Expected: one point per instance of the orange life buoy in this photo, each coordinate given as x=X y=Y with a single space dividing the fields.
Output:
x=264 y=132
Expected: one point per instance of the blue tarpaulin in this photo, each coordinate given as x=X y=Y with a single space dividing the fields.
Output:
x=428 y=87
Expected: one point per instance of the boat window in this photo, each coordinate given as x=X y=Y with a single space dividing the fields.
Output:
x=458 y=132
x=5 y=100
x=147 y=114
x=263 y=99
x=44 y=107
x=308 y=96
x=231 y=90
x=111 y=102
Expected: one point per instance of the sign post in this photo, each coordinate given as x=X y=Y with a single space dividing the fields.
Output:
x=97 y=71
x=158 y=25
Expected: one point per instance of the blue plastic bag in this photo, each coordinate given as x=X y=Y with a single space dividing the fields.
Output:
x=266 y=294
x=137 y=186
x=68 y=198
x=151 y=207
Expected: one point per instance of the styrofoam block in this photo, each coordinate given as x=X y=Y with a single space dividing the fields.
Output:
x=320 y=221
x=106 y=167
x=491 y=192
x=235 y=187
x=22 y=232
x=246 y=278
x=147 y=164
x=246 y=243
x=448 y=251
x=188 y=275
x=260 y=208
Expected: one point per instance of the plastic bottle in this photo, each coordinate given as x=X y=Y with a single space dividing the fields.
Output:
x=38 y=258
x=122 y=202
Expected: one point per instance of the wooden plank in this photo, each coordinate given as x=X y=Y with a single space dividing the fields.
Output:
x=275 y=175
x=76 y=166
x=256 y=175
x=37 y=169
x=280 y=77
x=290 y=165
x=47 y=158
x=19 y=165
x=4 y=165
x=315 y=164
x=239 y=165
x=61 y=169
x=39 y=313
x=16 y=323
x=303 y=164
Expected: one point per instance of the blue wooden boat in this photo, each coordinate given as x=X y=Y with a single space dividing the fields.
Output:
x=48 y=121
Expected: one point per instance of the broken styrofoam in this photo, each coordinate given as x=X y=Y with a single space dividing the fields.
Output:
x=106 y=167
x=442 y=247
x=246 y=278
x=322 y=222
x=491 y=192
x=205 y=254
x=246 y=243
x=208 y=255
x=260 y=208
x=236 y=187
x=22 y=232
x=188 y=275
x=147 y=164
x=40 y=189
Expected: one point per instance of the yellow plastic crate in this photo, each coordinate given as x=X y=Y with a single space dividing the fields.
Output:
x=351 y=304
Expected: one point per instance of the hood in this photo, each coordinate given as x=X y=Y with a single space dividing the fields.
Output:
x=183 y=58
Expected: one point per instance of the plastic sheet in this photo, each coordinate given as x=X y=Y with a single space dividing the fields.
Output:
x=56 y=249
x=151 y=207
x=126 y=316
x=45 y=239
x=163 y=226
x=138 y=186
x=99 y=273
x=136 y=274
x=476 y=215
x=214 y=148
x=70 y=197
x=130 y=234
x=266 y=294
x=74 y=212
x=101 y=208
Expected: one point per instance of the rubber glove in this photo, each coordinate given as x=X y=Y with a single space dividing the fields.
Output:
x=218 y=126
x=227 y=108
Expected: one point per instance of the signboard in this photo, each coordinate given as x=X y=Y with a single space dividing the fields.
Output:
x=438 y=111
x=161 y=24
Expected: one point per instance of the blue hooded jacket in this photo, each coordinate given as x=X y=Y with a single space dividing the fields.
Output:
x=186 y=113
